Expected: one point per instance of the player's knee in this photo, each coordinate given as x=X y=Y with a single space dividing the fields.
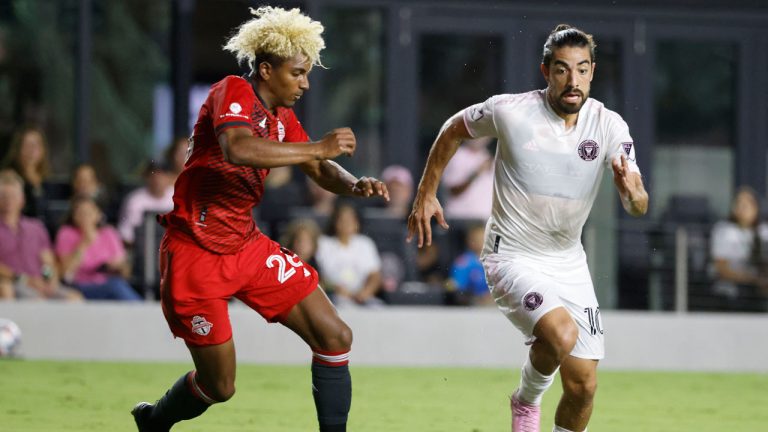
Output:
x=223 y=391
x=581 y=388
x=565 y=340
x=340 y=339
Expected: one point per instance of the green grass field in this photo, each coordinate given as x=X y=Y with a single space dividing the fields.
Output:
x=78 y=396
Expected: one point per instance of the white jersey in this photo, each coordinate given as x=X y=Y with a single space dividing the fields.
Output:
x=546 y=177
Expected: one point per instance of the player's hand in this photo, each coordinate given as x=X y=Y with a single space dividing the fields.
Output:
x=420 y=219
x=370 y=187
x=337 y=142
x=628 y=185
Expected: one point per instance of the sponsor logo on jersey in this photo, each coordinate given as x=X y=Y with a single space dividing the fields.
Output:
x=588 y=150
x=627 y=146
x=532 y=301
x=201 y=326
x=280 y=131
x=476 y=113
x=263 y=123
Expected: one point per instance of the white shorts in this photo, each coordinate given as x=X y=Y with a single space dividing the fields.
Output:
x=526 y=289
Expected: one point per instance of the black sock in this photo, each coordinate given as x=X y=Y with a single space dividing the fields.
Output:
x=178 y=403
x=332 y=390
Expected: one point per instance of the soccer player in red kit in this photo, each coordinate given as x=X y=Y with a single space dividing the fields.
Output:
x=213 y=251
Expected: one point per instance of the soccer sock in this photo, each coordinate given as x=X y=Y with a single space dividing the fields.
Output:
x=533 y=384
x=332 y=389
x=183 y=401
x=562 y=429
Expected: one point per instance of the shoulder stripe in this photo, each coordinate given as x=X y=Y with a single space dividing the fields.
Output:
x=222 y=126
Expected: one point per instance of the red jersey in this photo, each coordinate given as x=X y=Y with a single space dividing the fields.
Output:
x=213 y=199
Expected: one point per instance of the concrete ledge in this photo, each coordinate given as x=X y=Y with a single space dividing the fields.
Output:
x=397 y=336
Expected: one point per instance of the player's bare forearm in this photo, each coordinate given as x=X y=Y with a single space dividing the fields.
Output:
x=330 y=176
x=635 y=199
x=241 y=147
x=633 y=196
x=249 y=150
x=453 y=132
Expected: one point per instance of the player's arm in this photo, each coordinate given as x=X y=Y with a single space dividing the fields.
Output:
x=241 y=147
x=634 y=198
x=426 y=205
x=334 y=178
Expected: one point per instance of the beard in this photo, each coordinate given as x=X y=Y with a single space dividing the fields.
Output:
x=568 y=108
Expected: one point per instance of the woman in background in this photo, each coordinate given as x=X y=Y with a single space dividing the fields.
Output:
x=738 y=256
x=28 y=156
x=349 y=261
x=91 y=255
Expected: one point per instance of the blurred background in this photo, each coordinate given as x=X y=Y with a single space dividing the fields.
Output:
x=114 y=84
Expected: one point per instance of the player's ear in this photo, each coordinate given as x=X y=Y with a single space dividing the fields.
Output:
x=544 y=71
x=592 y=74
x=265 y=70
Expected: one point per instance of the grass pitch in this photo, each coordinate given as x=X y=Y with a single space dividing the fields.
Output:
x=80 y=396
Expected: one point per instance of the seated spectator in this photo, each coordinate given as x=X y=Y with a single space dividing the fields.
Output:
x=737 y=253
x=91 y=255
x=176 y=156
x=301 y=237
x=321 y=201
x=399 y=183
x=28 y=156
x=469 y=179
x=281 y=192
x=349 y=262
x=155 y=196
x=85 y=183
x=27 y=262
x=467 y=279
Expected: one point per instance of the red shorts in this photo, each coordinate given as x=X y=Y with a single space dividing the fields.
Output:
x=196 y=285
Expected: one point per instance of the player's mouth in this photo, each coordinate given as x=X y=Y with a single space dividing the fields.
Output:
x=572 y=97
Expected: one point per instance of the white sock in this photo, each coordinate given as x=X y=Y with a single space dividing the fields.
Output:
x=533 y=383
x=562 y=429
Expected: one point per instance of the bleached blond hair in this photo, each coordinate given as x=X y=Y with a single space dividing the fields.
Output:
x=277 y=32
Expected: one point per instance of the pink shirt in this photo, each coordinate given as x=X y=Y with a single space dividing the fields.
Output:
x=107 y=247
x=477 y=199
x=22 y=249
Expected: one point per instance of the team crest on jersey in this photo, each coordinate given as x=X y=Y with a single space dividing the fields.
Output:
x=235 y=108
x=201 y=326
x=532 y=301
x=588 y=150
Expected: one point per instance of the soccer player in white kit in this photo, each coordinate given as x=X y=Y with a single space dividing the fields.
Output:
x=553 y=146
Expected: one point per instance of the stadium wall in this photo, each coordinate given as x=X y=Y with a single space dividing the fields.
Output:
x=397 y=336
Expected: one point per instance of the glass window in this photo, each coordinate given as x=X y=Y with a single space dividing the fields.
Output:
x=455 y=71
x=695 y=110
x=353 y=90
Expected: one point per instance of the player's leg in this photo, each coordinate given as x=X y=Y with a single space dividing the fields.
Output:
x=212 y=381
x=555 y=335
x=579 y=377
x=194 y=297
x=316 y=321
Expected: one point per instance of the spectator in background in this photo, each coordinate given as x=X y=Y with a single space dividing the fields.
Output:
x=91 y=255
x=468 y=178
x=400 y=185
x=301 y=237
x=737 y=254
x=85 y=183
x=467 y=280
x=175 y=157
x=281 y=192
x=349 y=261
x=321 y=201
x=26 y=259
x=28 y=156
x=156 y=196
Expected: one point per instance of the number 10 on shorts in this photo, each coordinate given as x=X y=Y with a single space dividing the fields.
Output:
x=593 y=315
